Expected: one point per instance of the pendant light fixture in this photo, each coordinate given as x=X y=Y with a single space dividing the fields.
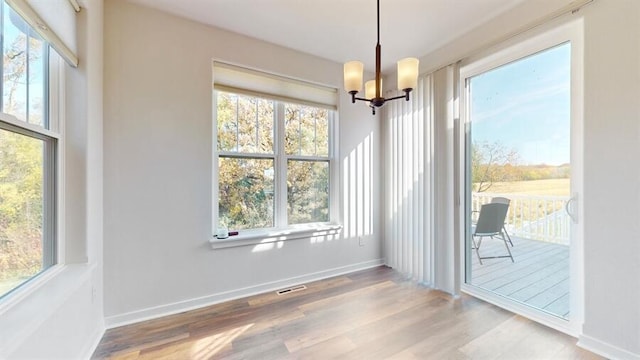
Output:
x=353 y=73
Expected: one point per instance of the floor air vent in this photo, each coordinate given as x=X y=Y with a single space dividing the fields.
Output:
x=291 y=289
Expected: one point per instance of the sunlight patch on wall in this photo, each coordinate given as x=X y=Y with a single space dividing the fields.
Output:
x=358 y=185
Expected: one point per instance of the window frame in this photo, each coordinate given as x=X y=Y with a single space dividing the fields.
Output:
x=517 y=48
x=51 y=133
x=281 y=230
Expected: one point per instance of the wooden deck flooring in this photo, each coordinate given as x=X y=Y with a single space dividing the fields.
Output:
x=539 y=276
x=372 y=314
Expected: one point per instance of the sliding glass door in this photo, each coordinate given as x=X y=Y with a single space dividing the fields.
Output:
x=521 y=182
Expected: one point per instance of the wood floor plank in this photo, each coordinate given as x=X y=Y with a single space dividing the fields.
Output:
x=381 y=302
x=372 y=314
x=440 y=335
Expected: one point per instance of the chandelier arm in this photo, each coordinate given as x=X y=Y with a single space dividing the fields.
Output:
x=405 y=96
x=362 y=99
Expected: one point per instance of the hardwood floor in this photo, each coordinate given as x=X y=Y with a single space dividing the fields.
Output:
x=372 y=314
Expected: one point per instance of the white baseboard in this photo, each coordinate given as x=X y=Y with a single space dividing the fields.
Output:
x=605 y=349
x=92 y=343
x=191 y=304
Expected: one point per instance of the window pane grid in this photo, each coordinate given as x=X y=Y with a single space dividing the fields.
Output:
x=296 y=182
x=307 y=130
x=245 y=124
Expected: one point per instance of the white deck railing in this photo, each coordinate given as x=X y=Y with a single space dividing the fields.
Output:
x=532 y=216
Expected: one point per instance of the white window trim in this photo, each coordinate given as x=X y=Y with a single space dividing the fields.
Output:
x=281 y=231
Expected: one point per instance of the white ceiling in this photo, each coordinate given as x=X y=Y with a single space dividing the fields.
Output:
x=343 y=30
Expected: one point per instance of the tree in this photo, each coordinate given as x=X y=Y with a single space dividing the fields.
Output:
x=491 y=163
x=246 y=184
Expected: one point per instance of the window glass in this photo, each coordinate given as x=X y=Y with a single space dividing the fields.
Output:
x=307 y=130
x=24 y=72
x=307 y=191
x=22 y=209
x=246 y=190
x=245 y=124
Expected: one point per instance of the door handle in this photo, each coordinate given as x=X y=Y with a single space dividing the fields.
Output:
x=568 y=208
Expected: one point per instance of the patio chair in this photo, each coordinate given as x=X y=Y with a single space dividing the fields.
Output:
x=490 y=223
x=503 y=200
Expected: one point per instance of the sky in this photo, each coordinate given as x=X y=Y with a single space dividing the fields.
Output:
x=525 y=105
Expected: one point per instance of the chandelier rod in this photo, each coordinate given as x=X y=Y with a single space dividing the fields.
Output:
x=378 y=51
x=378 y=21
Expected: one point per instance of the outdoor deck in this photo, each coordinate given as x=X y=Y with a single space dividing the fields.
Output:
x=539 y=276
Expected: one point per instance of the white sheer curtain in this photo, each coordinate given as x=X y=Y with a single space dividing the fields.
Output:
x=419 y=182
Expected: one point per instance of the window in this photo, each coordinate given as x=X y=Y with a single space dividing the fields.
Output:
x=274 y=162
x=28 y=143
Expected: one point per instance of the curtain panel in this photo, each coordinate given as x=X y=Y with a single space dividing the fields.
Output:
x=409 y=183
x=420 y=184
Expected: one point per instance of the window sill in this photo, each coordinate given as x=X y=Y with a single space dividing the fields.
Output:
x=30 y=306
x=269 y=236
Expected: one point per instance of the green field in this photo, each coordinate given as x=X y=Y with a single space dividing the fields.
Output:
x=555 y=187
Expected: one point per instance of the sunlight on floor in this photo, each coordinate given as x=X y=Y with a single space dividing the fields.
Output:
x=207 y=347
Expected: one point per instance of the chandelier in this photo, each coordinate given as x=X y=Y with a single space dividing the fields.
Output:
x=353 y=73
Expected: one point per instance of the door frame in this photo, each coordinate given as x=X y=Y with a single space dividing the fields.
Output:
x=541 y=38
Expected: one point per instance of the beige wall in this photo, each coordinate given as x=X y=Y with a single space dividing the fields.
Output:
x=612 y=176
x=158 y=155
x=158 y=171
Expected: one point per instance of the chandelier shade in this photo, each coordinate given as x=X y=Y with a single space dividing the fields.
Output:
x=370 y=89
x=354 y=70
x=408 y=73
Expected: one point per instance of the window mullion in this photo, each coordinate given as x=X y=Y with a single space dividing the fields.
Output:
x=2 y=9
x=334 y=179
x=237 y=125
x=257 y=120
x=281 y=220
x=49 y=248
x=27 y=75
